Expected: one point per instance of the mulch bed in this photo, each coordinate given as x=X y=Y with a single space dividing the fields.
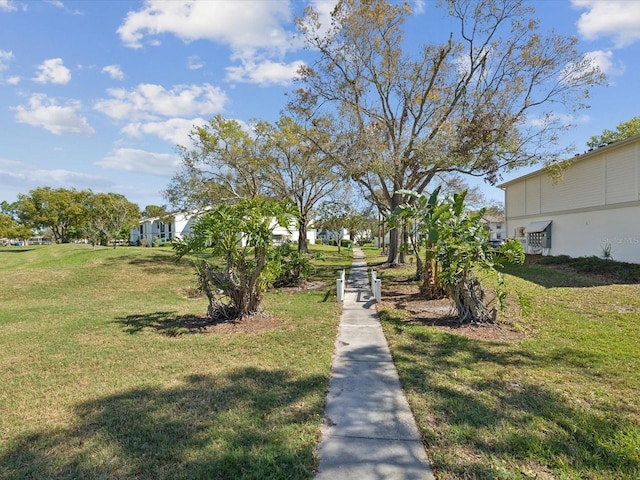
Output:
x=440 y=314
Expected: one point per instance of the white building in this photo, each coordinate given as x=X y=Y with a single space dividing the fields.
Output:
x=164 y=230
x=496 y=227
x=592 y=207
x=179 y=225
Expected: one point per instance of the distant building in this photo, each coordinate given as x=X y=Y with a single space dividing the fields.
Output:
x=162 y=229
x=593 y=207
x=496 y=227
x=179 y=225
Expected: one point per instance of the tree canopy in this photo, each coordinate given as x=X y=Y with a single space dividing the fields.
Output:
x=483 y=100
x=62 y=211
x=623 y=130
x=73 y=214
x=229 y=162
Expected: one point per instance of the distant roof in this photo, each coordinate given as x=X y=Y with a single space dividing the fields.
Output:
x=493 y=218
x=578 y=157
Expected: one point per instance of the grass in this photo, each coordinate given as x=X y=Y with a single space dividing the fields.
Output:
x=87 y=392
x=561 y=403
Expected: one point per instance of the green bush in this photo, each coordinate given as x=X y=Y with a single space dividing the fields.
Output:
x=289 y=267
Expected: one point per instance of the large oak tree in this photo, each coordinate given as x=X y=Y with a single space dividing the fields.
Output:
x=482 y=100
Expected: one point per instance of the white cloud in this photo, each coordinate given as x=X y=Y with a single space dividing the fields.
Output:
x=605 y=62
x=259 y=33
x=114 y=71
x=618 y=19
x=175 y=131
x=151 y=102
x=58 y=119
x=251 y=24
x=419 y=7
x=53 y=71
x=23 y=177
x=194 y=63
x=4 y=58
x=324 y=9
x=563 y=119
x=7 y=6
x=141 y=161
x=264 y=73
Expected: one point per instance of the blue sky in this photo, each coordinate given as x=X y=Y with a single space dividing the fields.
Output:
x=96 y=94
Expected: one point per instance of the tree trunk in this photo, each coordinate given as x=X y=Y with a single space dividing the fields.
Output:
x=302 y=236
x=419 y=263
x=468 y=297
x=402 y=257
x=392 y=256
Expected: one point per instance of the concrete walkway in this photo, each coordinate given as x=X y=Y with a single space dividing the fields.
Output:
x=369 y=431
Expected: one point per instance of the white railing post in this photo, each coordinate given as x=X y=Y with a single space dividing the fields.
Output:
x=374 y=276
x=377 y=291
x=340 y=289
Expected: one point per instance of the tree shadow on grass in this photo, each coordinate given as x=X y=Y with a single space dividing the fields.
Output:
x=166 y=323
x=553 y=276
x=152 y=263
x=247 y=423
x=513 y=422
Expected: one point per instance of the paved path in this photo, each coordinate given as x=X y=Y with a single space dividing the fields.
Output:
x=369 y=430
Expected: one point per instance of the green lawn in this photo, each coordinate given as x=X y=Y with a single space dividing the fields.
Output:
x=106 y=374
x=561 y=403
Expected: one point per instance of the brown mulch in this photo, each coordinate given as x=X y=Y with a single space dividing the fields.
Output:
x=253 y=324
x=440 y=314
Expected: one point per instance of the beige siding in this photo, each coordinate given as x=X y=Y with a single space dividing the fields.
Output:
x=515 y=199
x=581 y=186
x=532 y=187
x=621 y=176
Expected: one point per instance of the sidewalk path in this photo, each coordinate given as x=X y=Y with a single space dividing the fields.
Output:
x=369 y=431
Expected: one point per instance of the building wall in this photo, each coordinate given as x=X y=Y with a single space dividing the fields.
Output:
x=595 y=203
x=580 y=234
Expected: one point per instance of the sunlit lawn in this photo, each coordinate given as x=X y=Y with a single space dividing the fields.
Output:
x=562 y=402
x=86 y=392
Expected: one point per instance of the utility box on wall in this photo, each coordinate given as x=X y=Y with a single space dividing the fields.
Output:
x=538 y=236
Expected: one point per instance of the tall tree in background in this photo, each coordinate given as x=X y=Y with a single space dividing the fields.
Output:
x=222 y=166
x=623 y=130
x=466 y=105
x=60 y=210
x=297 y=169
x=110 y=217
x=280 y=161
x=155 y=211
x=11 y=229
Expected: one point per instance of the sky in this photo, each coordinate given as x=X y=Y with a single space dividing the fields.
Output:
x=97 y=94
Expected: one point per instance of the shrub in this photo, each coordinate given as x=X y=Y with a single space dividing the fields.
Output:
x=289 y=266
